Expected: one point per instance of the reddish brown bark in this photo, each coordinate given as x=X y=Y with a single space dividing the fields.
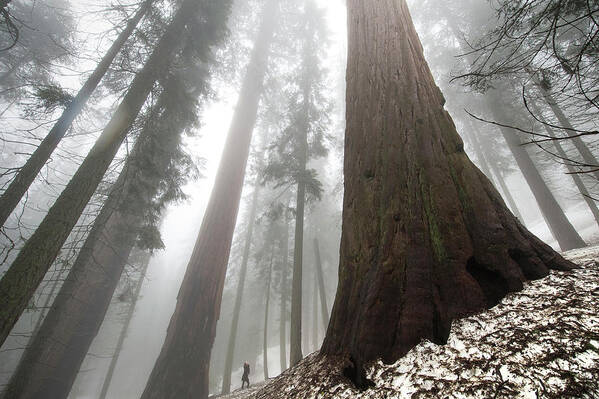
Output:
x=426 y=237
x=181 y=370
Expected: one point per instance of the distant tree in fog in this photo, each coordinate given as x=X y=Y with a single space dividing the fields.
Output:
x=51 y=95
x=33 y=36
x=179 y=371
x=302 y=138
x=552 y=46
x=27 y=270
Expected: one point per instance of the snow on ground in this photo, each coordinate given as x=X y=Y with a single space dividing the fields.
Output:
x=542 y=342
x=242 y=393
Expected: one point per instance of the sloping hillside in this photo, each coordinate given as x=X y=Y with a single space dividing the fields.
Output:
x=542 y=342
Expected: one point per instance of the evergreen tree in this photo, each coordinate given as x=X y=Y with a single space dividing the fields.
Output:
x=302 y=139
x=27 y=270
x=27 y=173
x=152 y=178
x=181 y=369
x=426 y=238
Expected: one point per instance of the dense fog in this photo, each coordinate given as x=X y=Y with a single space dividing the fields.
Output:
x=269 y=71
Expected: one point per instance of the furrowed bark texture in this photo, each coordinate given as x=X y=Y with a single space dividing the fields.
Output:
x=426 y=237
x=19 y=186
x=226 y=388
x=562 y=230
x=54 y=355
x=181 y=370
x=26 y=272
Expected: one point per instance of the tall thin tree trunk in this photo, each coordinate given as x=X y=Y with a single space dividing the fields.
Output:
x=559 y=225
x=580 y=145
x=321 y=289
x=181 y=369
x=507 y=193
x=426 y=238
x=28 y=269
x=226 y=388
x=266 y=308
x=571 y=169
x=81 y=304
x=486 y=169
x=284 y=295
x=315 y=313
x=295 y=339
x=23 y=179
x=119 y=345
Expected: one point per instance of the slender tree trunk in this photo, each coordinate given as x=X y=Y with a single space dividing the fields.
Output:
x=23 y=179
x=181 y=369
x=559 y=225
x=226 y=388
x=571 y=169
x=295 y=338
x=306 y=316
x=507 y=194
x=480 y=154
x=321 y=289
x=266 y=308
x=296 y=288
x=580 y=145
x=315 y=313
x=284 y=296
x=426 y=238
x=119 y=346
x=81 y=304
x=20 y=281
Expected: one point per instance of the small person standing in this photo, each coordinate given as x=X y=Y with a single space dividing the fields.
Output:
x=246 y=374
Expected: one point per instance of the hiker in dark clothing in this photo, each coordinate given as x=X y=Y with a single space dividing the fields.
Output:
x=246 y=374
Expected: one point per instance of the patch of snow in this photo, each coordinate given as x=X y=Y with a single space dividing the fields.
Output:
x=541 y=342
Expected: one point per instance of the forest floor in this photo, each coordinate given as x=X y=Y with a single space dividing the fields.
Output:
x=542 y=342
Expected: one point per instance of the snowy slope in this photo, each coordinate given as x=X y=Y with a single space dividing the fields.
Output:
x=542 y=342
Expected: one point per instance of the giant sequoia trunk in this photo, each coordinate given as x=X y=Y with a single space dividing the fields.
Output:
x=54 y=355
x=426 y=237
x=181 y=370
x=28 y=269
x=27 y=173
